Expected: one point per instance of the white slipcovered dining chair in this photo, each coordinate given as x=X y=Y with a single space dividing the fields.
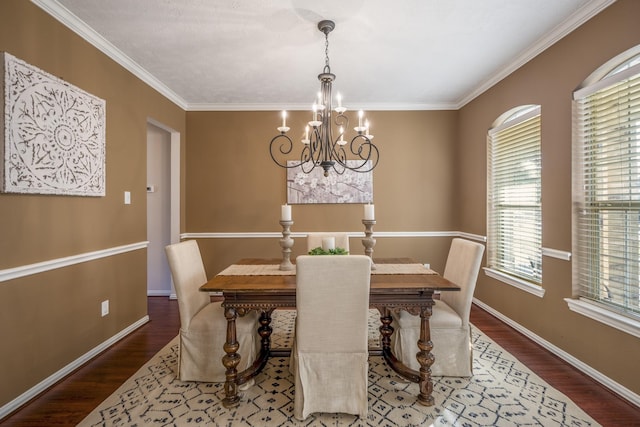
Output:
x=314 y=240
x=203 y=327
x=329 y=358
x=449 y=323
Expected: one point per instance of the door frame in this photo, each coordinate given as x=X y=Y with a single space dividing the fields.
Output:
x=174 y=232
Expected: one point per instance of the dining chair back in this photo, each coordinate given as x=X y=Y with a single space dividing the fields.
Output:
x=330 y=351
x=203 y=326
x=314 y=240
x=449 y=322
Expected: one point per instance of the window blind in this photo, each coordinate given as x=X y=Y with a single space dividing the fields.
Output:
x=606 y=191
x=514 y=238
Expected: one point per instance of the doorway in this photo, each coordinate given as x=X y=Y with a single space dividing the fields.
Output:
x=163 y=201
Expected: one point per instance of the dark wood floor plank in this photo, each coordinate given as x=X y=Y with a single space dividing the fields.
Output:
x=70 y=400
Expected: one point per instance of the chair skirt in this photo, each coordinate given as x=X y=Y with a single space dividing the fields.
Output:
x=322 y=380
x=452 y=348
x=201 y=346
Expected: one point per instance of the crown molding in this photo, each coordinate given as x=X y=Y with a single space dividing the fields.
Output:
x=588 y=11
x=62 y=14
x=71 y=21
x=377 y=106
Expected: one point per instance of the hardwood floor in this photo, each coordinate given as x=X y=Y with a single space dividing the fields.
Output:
x=69 y=401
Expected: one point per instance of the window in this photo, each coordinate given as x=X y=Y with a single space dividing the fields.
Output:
x=606 y=189
x=514 y=210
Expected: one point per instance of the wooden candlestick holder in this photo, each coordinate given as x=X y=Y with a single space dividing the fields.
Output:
x=286 y=243
x=368 y=241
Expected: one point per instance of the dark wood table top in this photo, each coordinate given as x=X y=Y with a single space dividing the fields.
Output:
x=399 y=283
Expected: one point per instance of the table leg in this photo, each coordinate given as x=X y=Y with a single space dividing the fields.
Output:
x=265 y=330
x=385 y=329
x=231 y=360
x=425 y=359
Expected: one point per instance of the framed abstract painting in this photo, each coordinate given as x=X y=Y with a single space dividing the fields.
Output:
x=314 y=187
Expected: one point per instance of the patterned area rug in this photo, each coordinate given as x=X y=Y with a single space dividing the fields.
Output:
x=502 y=392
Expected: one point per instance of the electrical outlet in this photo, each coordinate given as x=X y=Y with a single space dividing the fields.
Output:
x=105 y=308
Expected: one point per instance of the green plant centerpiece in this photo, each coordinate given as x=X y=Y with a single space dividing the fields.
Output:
x=336 y=251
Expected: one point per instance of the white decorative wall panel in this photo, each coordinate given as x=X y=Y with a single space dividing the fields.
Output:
x=54 y=134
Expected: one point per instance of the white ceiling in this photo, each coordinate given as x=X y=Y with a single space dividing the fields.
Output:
x=266 y=54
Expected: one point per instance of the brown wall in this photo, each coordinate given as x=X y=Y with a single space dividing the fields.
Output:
x=234 y=186
x=431 y=177
x=48 y=320
x=549 y=80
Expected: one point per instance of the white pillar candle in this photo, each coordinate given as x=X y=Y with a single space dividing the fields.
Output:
x=328 y=243
x=369 y=213
x=285 y=214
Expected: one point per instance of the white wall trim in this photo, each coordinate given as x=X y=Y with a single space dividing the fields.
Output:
x=71 y=21
x=159 y=292
x=27 y=270
x=67 y=18
x=604 y=315
x=588 y=370
x=555 y=253
x=49 y=381
x=40 y=267
x=588 y=11
x=514 y=281
x=376 y=234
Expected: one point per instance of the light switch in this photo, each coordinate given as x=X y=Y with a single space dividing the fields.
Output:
x=127 y=197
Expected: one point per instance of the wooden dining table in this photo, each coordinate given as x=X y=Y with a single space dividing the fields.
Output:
x=258 y=284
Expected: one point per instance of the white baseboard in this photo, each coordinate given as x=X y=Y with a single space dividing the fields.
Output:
x=158 y=293
x=578 y=364
x=48 y=382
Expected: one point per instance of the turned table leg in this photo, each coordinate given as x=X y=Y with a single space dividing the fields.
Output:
x=265 y=330
x=425 y=359
x=231 y=360
x=386 y=329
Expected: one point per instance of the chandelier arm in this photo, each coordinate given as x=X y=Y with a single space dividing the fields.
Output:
x=366 y=151
x=341 y=120
x=285 y=147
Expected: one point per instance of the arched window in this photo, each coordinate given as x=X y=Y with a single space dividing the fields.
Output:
x=606 y=186
x=514 y=207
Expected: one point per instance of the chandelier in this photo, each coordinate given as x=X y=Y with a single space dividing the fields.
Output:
x=318 y=145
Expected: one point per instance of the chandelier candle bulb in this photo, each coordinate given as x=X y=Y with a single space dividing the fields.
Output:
x=284 y=119
x=285 y=214
x=369 y=213
x=360 y=114
x=339 y=98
